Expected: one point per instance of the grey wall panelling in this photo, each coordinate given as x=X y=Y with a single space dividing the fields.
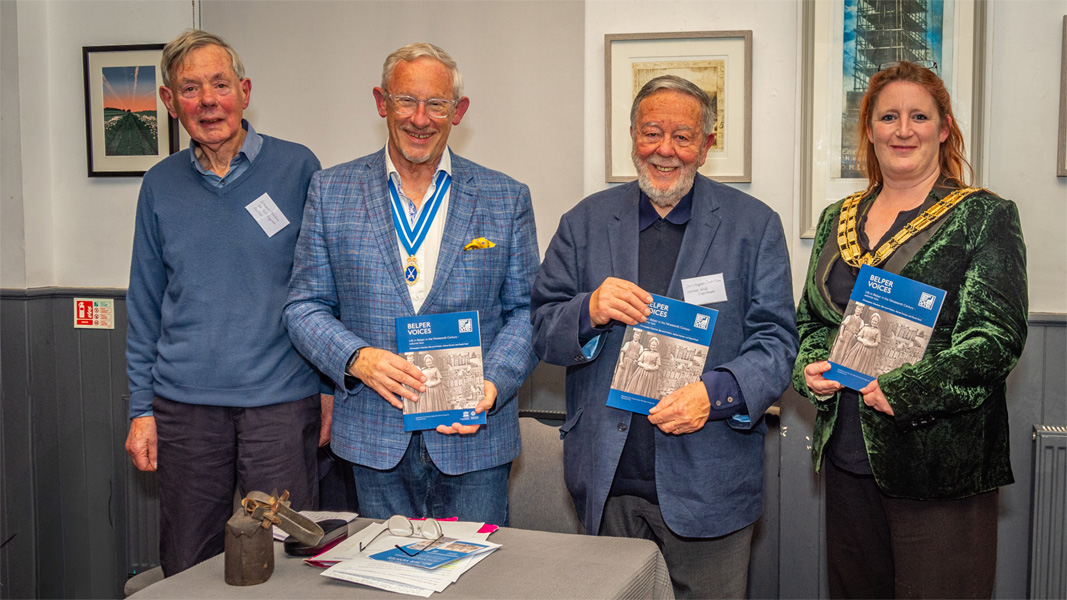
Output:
x=18 y=554
x=74 y=511
x=65 y=470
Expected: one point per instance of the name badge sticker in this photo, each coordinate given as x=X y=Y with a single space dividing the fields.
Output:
x=270 y=218
x=704 y=290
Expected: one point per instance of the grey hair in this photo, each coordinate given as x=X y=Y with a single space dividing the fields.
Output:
x=418 y=50
x=677 y=84
x=176 y=50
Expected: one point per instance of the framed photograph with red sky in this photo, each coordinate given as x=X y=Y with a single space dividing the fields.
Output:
x=127 y=126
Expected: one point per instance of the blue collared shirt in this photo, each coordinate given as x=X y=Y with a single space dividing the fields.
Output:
x=249 y=150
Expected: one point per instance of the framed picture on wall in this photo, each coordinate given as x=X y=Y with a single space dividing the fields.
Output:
x=1061 y=155
x=127 y=127
x=720 y=62
x=845 y=42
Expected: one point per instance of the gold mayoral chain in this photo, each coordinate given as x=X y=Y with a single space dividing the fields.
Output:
x=846 y=228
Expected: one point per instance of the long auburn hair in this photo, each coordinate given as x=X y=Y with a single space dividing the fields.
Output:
x=951 y=160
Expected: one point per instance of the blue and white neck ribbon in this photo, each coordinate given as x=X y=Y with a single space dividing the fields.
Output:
x=412 y=236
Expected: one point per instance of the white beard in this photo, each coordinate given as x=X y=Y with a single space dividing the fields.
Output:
x=415 y=160
x=669 y=197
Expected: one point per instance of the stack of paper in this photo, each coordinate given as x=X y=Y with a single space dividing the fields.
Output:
x=375 y=565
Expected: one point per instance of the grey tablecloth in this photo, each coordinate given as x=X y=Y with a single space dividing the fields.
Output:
x=530 y=564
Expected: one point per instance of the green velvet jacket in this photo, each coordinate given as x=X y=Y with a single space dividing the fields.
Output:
x=949 y=436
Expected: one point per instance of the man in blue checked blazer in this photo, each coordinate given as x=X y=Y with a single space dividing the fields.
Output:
x=416 y=230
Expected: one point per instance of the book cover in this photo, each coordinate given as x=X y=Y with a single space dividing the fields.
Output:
x=888 y=322
x=430 y=554
x=447 y=348
x=664 y=353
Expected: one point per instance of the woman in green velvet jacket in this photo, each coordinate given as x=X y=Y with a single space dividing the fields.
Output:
x=912 y=461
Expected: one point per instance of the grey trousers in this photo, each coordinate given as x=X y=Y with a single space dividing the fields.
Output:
x=699 y=567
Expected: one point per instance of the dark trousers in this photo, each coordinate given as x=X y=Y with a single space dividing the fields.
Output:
x=337 y=486
x=699 y=567
x=206 y=452
x=878 y=546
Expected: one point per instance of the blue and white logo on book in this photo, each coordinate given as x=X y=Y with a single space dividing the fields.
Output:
x=447 y=348
x=666 y=352
x=702 y=322
x=888 y=323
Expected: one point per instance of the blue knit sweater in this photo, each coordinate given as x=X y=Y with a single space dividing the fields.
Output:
x=207 y=285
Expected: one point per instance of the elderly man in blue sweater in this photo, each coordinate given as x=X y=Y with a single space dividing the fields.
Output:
x=219 y=398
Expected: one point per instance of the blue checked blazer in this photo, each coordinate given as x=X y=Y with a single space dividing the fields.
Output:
x=348 y=287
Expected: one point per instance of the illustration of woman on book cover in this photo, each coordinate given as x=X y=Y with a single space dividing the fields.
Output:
x=434 y=397
x=645 y=380
x=863 y=356
x=850 y=329
x=630 y=353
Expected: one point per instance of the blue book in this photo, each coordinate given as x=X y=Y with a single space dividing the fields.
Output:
x=430 y=554
x=447 y=348
x=662 y=354
x=888 y=322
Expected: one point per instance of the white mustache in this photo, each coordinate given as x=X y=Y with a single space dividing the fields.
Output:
x=666 y=164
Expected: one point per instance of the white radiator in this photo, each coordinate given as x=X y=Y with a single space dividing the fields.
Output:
x=1048 y=510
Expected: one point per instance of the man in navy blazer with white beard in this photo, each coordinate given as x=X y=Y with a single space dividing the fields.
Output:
x=690 y=475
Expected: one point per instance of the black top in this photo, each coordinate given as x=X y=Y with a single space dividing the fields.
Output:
x=846 y=447
x=660 y=239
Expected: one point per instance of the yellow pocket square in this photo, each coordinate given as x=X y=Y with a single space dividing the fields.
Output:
x=478 y=243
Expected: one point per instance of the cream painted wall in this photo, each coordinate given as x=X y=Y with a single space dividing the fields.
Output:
x=775 y=82
x=1022 y=97
x=1023 y=88
x=35 y=226
x=12 y=219
x=314 y=87
x=519 y=66
x=78 y=231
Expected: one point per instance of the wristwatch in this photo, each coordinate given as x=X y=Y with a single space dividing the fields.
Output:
x=352 y=359
x=350 y=379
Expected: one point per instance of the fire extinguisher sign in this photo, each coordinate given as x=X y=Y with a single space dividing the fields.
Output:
x=94 y=313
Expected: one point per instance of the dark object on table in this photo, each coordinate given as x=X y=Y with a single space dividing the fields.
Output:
x=249 y=551
x=334 y=530
x=250 y=539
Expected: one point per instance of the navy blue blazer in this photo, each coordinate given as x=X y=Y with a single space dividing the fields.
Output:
x=710 y=482
x=347 y=289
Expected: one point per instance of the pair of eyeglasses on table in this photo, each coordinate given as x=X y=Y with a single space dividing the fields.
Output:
x=401 y=526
